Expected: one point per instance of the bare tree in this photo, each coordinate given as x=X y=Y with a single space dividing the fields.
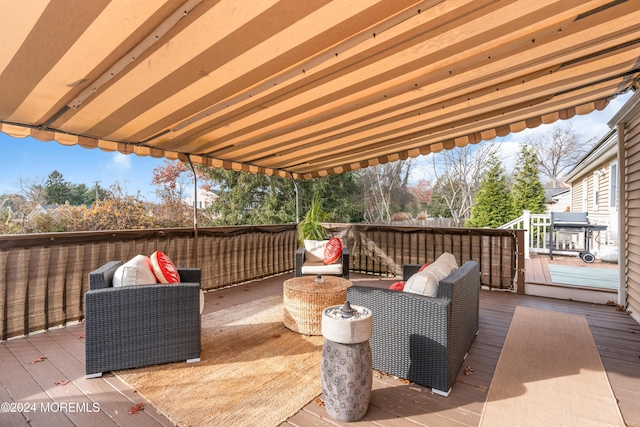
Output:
x=458 y=174
x=34 y=190
x=10 y=206
x=385 y=190
x=559 y=150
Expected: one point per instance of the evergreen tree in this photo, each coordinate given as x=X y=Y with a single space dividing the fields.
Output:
x=246 y=198
x=527 y=190
x=241 y=196
x=493 y=205
x=341 y=196
x=80 y=194
x=57 y=190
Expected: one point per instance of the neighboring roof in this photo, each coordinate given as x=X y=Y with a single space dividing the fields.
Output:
x=550 y=193
x=306 y=88
x=606 y=146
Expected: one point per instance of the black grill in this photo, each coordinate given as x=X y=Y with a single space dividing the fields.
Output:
x=576 y=222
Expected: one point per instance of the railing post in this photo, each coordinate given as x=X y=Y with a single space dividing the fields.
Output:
x=526 y=215
x=521 y=246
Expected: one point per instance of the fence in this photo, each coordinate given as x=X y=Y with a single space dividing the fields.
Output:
x=382 y=250
x=43 y=277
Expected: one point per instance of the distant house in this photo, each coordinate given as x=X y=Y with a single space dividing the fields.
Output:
x=557 y=199
x=37 y=211
x=594 y=189
x=204 y=198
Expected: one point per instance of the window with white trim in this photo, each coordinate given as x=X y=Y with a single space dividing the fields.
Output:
x=585 y=188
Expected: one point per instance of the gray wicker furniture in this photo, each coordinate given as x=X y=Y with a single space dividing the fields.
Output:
x=133 y=326
x=300 y=262
x=424 y=339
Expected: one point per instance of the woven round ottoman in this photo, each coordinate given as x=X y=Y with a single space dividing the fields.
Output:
x=304 y=300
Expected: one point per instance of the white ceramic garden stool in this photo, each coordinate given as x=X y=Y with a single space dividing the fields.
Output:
x=346 y=370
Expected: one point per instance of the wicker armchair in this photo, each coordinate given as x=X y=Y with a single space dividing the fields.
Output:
x=133 y=326
x=319 y=268
x=424 y=339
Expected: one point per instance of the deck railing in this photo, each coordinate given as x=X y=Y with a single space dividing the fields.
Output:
x=43 y=277
x=536 y=229
x=383 y=250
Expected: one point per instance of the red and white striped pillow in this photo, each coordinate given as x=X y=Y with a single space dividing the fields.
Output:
x=164 y=270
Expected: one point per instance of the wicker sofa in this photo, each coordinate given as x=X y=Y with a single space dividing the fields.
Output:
x=133 y=326
x=419 y=338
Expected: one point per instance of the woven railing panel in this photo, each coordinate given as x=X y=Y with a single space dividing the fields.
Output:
x=381 y=249
x=43 y=277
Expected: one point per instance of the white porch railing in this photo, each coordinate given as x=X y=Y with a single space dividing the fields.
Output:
x=536 y=234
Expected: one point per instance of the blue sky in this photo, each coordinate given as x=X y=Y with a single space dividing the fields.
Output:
x=28 y=158
x=590 y=125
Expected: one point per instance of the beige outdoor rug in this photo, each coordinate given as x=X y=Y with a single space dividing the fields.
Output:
x=550 y=374
x=253 y=371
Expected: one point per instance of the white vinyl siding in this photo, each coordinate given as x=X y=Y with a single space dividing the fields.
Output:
x=613 y=186
x=596 y=190
x=630 y=202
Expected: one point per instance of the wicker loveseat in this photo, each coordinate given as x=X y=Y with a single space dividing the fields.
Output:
x=419 y=338
x=133 y=326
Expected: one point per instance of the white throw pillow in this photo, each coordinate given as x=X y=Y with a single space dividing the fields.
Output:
x=136 y=271
x=426 y=281
x=314 y=250
x=447 y=262
x=422 y=284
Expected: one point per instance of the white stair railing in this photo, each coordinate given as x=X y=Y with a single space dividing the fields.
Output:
x=536 y=231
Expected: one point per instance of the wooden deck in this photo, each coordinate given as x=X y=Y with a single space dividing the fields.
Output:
x=537 y=267
x=28 y=379
x=583 y=282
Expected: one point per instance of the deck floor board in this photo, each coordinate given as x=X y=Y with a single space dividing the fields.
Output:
x=24 y=389
x=394 y=403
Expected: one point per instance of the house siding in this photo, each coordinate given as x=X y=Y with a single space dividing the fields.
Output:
x=576 y=194
x=631 y=205
x=583 y=200
x=603 y=200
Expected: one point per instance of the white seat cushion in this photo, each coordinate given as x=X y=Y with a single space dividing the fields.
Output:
x=322 y=268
